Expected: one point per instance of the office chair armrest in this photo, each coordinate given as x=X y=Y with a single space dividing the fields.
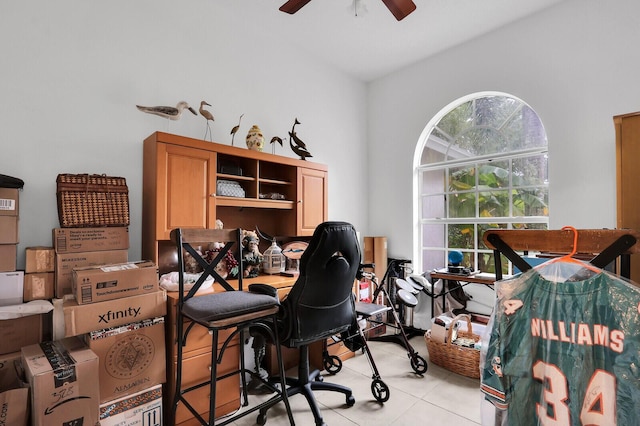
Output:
x=263 y=289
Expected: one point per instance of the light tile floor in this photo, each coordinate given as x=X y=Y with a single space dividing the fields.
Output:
x=439 y=397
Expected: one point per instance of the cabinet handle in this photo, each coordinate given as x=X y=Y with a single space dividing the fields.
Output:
x=299 y=201
x=213 y=195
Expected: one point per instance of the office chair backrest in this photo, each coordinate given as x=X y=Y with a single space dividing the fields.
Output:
x=320 y=303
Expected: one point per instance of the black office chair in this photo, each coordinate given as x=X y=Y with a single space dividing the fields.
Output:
x=319 y=305
x=219 y=311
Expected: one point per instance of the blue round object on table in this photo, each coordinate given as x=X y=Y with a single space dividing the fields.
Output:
x=455 y=257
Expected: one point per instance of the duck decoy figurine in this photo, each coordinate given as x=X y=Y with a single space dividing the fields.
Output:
x=209 y=117
x=172 y=113
x=300 y=148
x=235 y=129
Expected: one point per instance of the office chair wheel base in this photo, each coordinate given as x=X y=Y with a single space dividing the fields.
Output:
x=419 y=364
x=380 y=390
x=332 y=364
x=351 y=401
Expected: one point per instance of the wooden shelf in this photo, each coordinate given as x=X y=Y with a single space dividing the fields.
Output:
x=235 y=177
x=254 y=203
x=274 y=181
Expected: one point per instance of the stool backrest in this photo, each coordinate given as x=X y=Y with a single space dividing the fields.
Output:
x=191 y=241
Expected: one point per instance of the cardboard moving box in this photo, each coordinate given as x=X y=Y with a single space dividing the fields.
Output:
x=375 y=251
x=132 y=357
x=9 y=201
x=8 y=375
x=67 y=261
x=39 y=259
x=8 y=257
x=9 y=230
x=140 y=409
x=39 y=286
x=14 y=406
x=62 y=376
x=93 y=284
x=77 y=240
x=11 y=288
x=80 y=319
x=23 y=331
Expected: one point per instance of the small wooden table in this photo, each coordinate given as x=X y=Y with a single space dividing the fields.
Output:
x=463 y=280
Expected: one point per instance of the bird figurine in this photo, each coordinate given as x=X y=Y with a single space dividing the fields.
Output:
x=172 y=113
x=300 y=148
x=277 y=139
x=235 y=129
x=209 y=117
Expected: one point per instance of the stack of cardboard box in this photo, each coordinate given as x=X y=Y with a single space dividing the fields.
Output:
x=117 y=309
x=17 y=329
x=99 y=358
x=78 y=247
x=39 y=278
x=10 y=279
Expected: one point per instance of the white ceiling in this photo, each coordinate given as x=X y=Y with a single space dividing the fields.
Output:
x=373 y=43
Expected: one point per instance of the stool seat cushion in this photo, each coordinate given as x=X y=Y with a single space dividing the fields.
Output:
x=220 y=306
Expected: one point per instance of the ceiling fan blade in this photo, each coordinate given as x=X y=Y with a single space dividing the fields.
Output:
x=400 y=8
x=292 y=6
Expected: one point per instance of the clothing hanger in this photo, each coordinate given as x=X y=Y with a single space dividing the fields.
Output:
x=565 y=267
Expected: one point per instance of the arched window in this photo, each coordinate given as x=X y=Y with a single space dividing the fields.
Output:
x=480 y=163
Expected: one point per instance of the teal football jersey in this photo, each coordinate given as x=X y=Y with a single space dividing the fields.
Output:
x=565 y=353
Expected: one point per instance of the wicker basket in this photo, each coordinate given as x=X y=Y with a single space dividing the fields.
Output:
x=459 y=359
x=92 y=201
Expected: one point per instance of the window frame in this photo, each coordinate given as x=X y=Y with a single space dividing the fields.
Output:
x=419 y=169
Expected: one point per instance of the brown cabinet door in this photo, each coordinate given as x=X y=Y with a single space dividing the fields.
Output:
x=312 y=200
x=186 y=189
x=628 y=178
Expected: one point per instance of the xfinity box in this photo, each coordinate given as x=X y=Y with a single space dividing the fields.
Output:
x=80 y=319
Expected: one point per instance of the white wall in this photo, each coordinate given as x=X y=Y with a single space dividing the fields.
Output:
x=575 y=64
x=72 y=72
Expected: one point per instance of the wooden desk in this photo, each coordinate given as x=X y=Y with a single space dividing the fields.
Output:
x=463 y=280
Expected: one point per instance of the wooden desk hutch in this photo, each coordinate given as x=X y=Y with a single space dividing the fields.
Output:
x=180 y=178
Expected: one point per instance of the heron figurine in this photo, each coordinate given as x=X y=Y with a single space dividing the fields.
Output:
x=171 y=113
x=209 y=117
x=235 y=129
x=274 y=139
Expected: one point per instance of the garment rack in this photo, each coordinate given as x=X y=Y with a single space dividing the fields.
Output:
x=605 y=245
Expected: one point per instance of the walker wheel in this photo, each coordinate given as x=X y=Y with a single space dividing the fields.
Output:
x=262 y=419
x=332 y=364
x=419 y=364
x=380 y=390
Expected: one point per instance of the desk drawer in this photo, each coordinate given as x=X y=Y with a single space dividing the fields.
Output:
x=198 y=340
x=195 y=370
x=220 y=411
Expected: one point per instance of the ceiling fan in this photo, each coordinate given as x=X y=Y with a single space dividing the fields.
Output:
x=400 y=8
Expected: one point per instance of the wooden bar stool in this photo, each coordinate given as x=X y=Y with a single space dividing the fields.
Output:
x=232 y=309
